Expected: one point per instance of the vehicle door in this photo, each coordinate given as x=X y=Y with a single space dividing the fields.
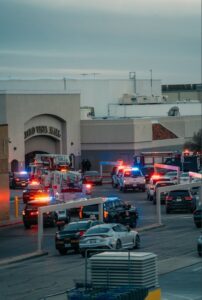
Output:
x=123 y=234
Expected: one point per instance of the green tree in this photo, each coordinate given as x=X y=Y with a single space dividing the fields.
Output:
x=195 y=144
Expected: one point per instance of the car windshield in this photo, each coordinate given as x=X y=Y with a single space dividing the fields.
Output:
x=91 y=173
x=77 y=226
x=91 y=208
x=132 y=173
x=21 y=175
x=97 y=230
x=164 y=184
x=179 y=193
x=184 y=175
x=147 y=170
x=160 y=179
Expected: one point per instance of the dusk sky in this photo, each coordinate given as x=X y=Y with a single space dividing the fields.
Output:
x=67 y=38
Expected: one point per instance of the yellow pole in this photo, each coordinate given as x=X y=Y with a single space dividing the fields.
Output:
x=16 y=206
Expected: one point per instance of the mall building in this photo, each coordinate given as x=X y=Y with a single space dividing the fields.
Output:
x=100 y=120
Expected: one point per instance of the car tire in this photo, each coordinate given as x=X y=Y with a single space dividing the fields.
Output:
x=167 y=210
x=118 y=245
x=154 y=202
x=199 y=251
x=137 y=242
x=63 y=251
x=198 y=225
x=27 y=226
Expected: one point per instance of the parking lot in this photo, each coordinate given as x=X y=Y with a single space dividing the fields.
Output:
x=174 y=243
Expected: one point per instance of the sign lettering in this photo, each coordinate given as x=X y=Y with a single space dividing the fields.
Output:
x=44 y=130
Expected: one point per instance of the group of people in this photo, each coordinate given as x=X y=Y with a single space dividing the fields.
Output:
x=85 y=165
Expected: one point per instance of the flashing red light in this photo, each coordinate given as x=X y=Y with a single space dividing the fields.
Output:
x=155 y=176
x=88 y=186
x=34 y=182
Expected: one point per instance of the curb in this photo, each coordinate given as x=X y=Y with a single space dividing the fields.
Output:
x=149 y=227
x=21 y=258
x=10 y=223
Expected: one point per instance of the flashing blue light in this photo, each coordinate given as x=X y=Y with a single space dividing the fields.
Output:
x=135 y=169
x=23 y=172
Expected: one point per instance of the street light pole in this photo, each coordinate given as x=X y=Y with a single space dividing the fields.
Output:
x=151 y=81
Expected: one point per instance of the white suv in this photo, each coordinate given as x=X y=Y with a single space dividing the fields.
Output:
x=151 y=186
x=132 y=179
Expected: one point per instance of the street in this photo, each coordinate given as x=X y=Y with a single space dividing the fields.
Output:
x=174 y=243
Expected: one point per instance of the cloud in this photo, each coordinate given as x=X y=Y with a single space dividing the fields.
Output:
x=101 y=35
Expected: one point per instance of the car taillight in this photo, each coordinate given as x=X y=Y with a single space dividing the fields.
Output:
x=23 y=213
x=188 y=198
x=81 y=233
x=169 y=198
x=33 y=213
x=88 y=186
x=17 y=179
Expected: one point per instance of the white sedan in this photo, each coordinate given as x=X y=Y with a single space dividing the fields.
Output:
x=109 y=236
x=185 y=178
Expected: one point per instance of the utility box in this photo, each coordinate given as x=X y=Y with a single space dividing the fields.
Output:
x=4 y=178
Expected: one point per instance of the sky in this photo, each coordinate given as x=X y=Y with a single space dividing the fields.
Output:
x=101 y=39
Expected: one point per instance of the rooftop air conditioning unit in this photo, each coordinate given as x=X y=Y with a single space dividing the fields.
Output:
x=128 y=99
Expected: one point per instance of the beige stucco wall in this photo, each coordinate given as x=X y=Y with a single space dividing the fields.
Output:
x=131 y=134
x=22 y=107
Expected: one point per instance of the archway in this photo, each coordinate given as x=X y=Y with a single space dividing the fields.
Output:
x=29 y=158
x=14 y=165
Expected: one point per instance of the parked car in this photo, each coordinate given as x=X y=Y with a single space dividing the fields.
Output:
x=185 y=178
x=115 y=211
x=30 y=214
x=153 y=180
x=163 y=194
x=147 y=171
x=18 y=180
x=199 y=245
x=109 y=236
x=63 y=216
x=197 y=215
x=173 y=176
x=92 y=177
x=116 y=173
x=68 y=238
x=132 y=179
x=31 y=191
x=180 y=200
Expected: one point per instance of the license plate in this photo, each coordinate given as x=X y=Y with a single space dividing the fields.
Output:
x=23 y=184
x=67 y=245
x=59 y=242
x=74 y=241
x=178 y=200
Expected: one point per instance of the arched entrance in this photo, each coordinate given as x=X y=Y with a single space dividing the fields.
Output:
x=14 y=165
x=29 y=158
x=44 y=134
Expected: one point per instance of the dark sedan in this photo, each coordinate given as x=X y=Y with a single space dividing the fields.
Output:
x=68 y=238
x=31 y=192
x=199 y=245
x=92 y=177
x=180 y=200
x=30 y=213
